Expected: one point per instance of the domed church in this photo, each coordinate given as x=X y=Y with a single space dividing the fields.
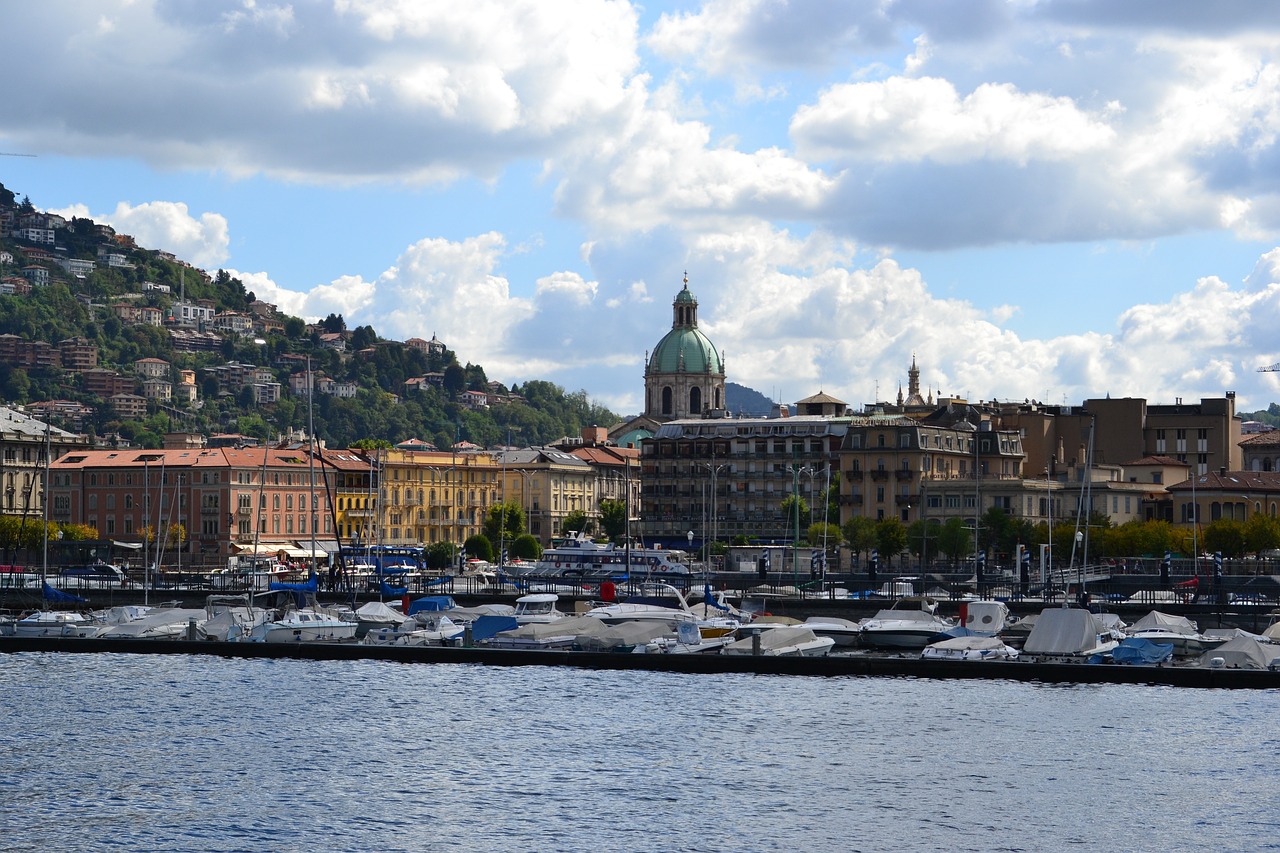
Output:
x=684 y=376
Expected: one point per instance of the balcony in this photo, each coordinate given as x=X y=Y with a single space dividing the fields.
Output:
x=904 y=500
x=904 y=473
x=879 y=474
x=851 y=500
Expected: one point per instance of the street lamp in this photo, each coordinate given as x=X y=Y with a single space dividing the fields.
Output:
x=714 y=470
x=796 y=470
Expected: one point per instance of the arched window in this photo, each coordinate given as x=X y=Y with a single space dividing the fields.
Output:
x=666 y=400
x=695 y=401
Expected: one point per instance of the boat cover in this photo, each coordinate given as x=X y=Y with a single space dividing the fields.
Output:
x=53 y=595
x=393 y=591
x=311 y=584
x=905 y=615
x=1062 y=631
x=161 y=623
x=1165 y=622
x=485 y=627
x=376 y=611
x=781 y=637
x=431 y=602
x=1136 y=650
x=623 y=636
x=570 y=626
x=1241 y=653
x=971 y=647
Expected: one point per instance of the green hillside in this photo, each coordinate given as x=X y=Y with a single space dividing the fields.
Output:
x=383 y=407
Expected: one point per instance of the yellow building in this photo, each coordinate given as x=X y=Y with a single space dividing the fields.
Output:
x=549 y=484
x=432 y=496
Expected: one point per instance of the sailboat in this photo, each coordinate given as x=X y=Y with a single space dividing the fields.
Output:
x=303 y=619
x=49 y=622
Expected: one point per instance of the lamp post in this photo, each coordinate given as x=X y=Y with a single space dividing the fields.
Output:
x=796 y=470
x=1048 y=506
x=714 y=470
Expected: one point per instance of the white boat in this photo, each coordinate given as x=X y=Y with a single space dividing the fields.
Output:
x=305 y=625
x=559 y=634
x=845 y=632
x=162 y=623
x=54 y=623
x=375 y=616
x=425 y=629
x=1177 y=631
x=538 y=607
x=663 y=603
x=228 y=618
x=903 y=629
x=578 y=557
x=1068 y=632
x=783 y=641
x=972 y=647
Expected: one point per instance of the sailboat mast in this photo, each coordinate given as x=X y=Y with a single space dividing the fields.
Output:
x=311 y=463
x=44 y=504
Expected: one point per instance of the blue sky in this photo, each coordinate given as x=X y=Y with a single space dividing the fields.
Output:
x=1048 y=199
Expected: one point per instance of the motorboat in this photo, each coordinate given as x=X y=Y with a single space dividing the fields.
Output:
x=626 y=637
x=783 y=641
x=844 y=632
x=1177 y=631
x=538 y=607
x=981 y=618
x=376 y=615
x=55 y=623
x=161 y=623
x=1069 y=632
x=425 y=629
x=557 y=634
x=666 y=605
x=305 y=625
x=1241 y=653
x=974 y=647
x=903 y=628
x=232 y=617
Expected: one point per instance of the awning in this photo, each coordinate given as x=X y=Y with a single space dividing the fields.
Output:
x=293 y=553
x=303 y=549
x=262 y=549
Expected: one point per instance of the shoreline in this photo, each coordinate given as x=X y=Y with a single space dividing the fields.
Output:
x=836 y=665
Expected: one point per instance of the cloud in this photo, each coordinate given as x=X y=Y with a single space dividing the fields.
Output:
x=167 y=225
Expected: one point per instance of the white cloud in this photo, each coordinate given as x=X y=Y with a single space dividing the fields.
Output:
x=166 y=225
x=916 y=119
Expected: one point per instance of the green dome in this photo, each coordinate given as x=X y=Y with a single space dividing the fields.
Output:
x=684 y=297
x=687 y=350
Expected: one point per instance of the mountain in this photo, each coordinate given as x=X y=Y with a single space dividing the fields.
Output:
x=741 y=400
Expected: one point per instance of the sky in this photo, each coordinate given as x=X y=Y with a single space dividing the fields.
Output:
x=1036 y=199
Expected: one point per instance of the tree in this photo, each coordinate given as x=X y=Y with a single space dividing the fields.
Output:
x=613 y=518
x=1226 y=535
x=1261 y=534
x=820 y=534
x=859 y=534
x=526 y=547
x=575 y=521
x=479 y=547
x=891 y=537
x=919 y=536
x=504 y=522
x=333 y=323
x=954 y=539
x=788 y=505
x=440 y=556
x=455 y=379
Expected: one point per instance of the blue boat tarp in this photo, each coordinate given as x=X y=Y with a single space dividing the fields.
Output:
x=311 y=584
x=394 y=591
x=1136 y=650
x=53 y=595
x=431 y=604
x=485 y=627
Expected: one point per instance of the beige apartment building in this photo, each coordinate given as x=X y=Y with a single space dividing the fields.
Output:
x=548 y=484
x=425 y=497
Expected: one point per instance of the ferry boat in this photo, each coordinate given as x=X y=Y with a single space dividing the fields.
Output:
x=580 y=558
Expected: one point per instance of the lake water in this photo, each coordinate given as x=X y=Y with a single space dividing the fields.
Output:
x=176 y=753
